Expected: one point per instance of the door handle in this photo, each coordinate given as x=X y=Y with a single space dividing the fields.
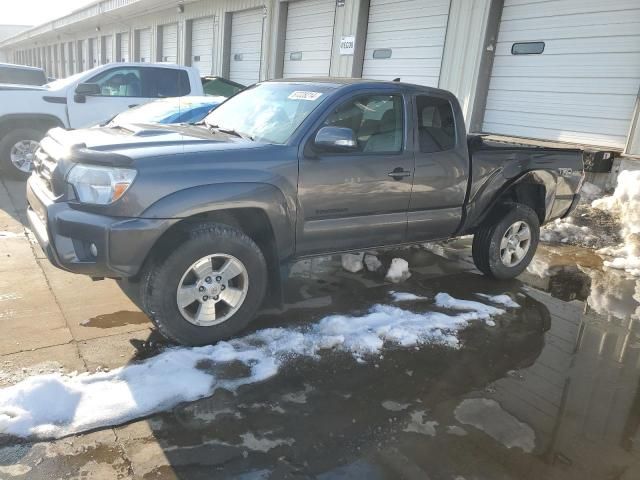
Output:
x=399 y=174
x=134 y=105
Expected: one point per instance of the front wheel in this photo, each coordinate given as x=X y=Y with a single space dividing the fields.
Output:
x=18 y=150
x=209 y=288
x=504 y=248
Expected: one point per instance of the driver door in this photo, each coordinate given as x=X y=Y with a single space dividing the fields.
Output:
x=358 y=198
x=120 y=87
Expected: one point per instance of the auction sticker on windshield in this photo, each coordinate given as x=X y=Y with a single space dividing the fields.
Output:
x=302 y=95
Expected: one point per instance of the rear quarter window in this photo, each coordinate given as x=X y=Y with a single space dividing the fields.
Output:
x=165 y=82
x=436 y=124
x=22 y=76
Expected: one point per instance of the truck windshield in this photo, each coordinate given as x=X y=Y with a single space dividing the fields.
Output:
x=268 y=112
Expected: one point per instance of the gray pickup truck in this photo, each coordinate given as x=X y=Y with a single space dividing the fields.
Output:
x=199 y=222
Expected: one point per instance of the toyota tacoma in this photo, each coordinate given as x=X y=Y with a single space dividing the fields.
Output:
x=198 y=223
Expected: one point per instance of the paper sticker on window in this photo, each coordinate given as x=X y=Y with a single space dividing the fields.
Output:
x=302 y=95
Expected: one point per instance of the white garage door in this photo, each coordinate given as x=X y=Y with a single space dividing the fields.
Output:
x=82 y=56
x=582 y=87
x=202 y=45
x=170 y=43
x=94 y=59
x=124 y=47
x=309 y=38
x=405 y=39
x=246 y=46
x=144 y=37
x=71 y=60
x=108 y=49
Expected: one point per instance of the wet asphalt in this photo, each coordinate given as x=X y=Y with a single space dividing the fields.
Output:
x=551 y=392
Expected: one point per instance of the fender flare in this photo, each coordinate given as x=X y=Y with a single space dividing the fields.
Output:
x=536 y=176
x=229 y=196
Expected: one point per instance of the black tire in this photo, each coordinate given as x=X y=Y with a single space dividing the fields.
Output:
x=486 y=242
x=7 y=143
x=161 y=279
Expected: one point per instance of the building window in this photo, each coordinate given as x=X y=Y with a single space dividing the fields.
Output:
x=527 y=48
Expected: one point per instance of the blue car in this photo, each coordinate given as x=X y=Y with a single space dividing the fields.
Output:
x=169 y=110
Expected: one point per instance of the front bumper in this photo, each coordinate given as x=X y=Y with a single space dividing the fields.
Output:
x=87 y=243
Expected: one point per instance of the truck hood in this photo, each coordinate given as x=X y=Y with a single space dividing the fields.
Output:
x=143 y=140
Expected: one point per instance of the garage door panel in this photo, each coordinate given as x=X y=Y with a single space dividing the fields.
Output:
x=246 y=46
x=556 y=135
x=202 y=45
x=609 y=106
x=582 y=88
x=145 y=45
x=603 y=86
x=108 y=49
x=562 y=7
x=609 y=30
x=607 y=126
x=309 y=37
x=579 y=46
x=412 y=32
x=568 y=71
x=569 y=21
x=170 y=43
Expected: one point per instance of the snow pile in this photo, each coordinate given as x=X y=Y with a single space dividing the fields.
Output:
x=372 y=262
x=398 y=271
x=352 y=262
x=566 y=231
x=55 y=405
x=405 y=297
x=590 y=192
x=625 y=205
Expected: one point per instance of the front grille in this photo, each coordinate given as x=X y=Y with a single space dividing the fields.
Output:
x=44 y=167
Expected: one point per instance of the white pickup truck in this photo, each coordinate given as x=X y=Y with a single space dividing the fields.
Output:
x=84 y=99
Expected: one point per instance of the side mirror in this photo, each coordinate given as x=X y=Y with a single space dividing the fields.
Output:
x=338 y=139
x=84 y=90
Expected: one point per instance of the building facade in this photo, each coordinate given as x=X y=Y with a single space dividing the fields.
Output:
x=559 y=70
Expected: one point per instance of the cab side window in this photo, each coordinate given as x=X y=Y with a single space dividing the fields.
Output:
x=376 y=120
x=119 y=82
x=436 y=124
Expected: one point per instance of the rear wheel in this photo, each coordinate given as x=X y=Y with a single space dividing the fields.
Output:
x=209 y=288
x=503 y=249
x=18 y=150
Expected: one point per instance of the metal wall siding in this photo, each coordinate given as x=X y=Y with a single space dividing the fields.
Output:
x=583 y=87
x=246 y=46
x=414 y=31
x=309 y=38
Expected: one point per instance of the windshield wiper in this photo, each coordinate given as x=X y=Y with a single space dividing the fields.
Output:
x=231 y=131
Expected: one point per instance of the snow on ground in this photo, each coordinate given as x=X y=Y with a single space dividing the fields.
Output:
x=398 y=271
x=405 y=296
x=504 y=300
x=352 y=262
x=487 y=415
x=55 y=405
x=625 y=205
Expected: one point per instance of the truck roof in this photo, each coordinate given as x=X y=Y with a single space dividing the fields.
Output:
x=342 y=82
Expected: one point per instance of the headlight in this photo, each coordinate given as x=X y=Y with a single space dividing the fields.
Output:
x=100 y=185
